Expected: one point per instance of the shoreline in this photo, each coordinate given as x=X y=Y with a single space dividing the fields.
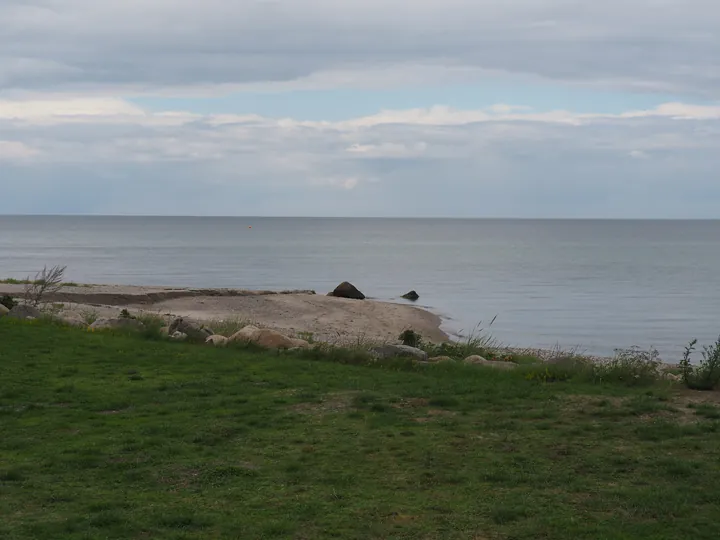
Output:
x=327 y=318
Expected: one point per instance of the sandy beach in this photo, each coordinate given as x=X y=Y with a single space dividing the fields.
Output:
x=293 y=312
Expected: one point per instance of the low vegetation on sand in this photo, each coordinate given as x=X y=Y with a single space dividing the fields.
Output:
x=111 y=435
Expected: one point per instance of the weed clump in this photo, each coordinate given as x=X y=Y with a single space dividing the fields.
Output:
x=706 y=376
x=631 y=367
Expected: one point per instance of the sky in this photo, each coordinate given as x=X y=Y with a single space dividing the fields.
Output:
x=393 y=108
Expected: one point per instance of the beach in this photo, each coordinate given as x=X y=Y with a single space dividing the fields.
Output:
x=335 y=320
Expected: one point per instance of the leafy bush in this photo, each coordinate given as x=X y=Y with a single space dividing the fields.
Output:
x=706 y=376
x=8 y=301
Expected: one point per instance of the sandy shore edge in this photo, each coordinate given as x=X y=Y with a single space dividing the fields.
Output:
x=291 y=311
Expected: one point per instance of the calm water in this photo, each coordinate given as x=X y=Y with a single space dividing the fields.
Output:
x=597 y=284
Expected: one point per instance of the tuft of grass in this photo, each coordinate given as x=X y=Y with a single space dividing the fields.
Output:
x=229 y=326
x=629 y=367
x=89 y=315
x=632 y=367
x=307 y=336
x=153 y=323
x=478 y=342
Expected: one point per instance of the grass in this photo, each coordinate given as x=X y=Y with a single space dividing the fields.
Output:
x=116 y=436
x=228 y=326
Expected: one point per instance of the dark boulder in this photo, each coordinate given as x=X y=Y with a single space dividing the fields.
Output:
x=412 y=295
x=347 y=290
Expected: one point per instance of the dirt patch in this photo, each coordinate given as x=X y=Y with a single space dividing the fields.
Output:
x=412 y=403
x=697 y=397
x=331 y=403
x=434 y=414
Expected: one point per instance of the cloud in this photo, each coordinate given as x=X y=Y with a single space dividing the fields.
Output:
x=13 y=150
x=639 y=154
x=145 y=46
x=111 y=156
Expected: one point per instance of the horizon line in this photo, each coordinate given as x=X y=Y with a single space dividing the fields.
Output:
x=446 y=218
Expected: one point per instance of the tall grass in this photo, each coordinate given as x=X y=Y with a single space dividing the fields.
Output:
x=228 y=326
x=478 y=342
x=706 y=376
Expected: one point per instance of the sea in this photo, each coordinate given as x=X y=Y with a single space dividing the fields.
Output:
x=593 y=285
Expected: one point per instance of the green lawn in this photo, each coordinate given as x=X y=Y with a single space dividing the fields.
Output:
x=105 y=436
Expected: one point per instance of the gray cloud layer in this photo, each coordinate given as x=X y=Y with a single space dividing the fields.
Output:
x=669 y=45
x=115 y=158
x=70 y=143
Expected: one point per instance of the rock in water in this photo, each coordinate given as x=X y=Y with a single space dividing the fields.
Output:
x=395 y=351
x=347 y=290
x=23 y=312
x=412 y=296
x=193 y=330
x=121 y=323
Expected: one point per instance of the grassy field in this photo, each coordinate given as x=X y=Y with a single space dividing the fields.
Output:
x=105 y=436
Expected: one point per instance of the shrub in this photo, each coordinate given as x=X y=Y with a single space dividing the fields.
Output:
x=411 y=338
x=706 y=376
x=229 y=326
x=633 y=367
x=47 y=281
x=477 y=343
x=8 y=301
x=550 y=373
x=89 y=316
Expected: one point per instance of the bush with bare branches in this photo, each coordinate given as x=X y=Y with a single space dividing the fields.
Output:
x=47 y=282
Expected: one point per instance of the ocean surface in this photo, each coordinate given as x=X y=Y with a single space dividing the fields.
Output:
x=596 y=285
